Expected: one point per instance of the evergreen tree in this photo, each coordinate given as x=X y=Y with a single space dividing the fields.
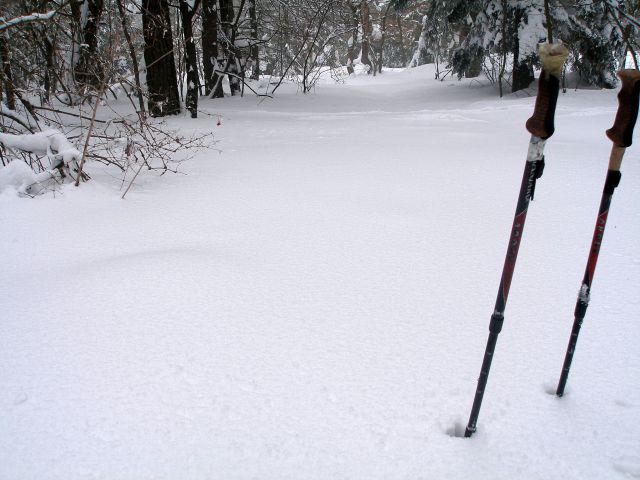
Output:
x=502 y=36
x=595 y=33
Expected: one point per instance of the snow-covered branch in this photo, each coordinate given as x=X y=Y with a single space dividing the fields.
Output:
x=50 y=142
x=34 y=17
x=16 y=117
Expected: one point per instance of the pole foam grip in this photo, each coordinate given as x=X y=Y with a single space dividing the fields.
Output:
x=541 y=123
x=622 y=131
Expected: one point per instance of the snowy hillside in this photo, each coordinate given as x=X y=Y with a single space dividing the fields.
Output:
x=312 y=300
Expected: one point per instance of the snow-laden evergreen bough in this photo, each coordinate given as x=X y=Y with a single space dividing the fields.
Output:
x=621 y=135
x=491 y=35
x=541 y=127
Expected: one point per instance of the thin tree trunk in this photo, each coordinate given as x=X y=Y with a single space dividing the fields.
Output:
x=134 y=57
x=230 y=24
x=7 y=79
x=504 y=46
x=49 y=74
x=231 y=65
x=353 y=41
x=76 y=42
x=366 y=33
x=383 y=29
x=403 y=53
x=255 y=51
x=228 y=27
x=191 y=59
x=210 y=48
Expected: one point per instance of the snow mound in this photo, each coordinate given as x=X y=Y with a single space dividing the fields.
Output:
x=17 y=175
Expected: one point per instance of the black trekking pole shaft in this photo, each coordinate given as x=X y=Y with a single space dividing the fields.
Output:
x=541 y=127
x=621 y=135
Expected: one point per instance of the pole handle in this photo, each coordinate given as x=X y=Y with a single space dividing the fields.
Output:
x=622 y=131
x=553 y=57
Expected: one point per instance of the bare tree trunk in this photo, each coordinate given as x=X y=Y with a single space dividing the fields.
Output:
x=158 y=55
x=353 y=41
x=7 y=79
x=504 y=46
x=76 y=42
x=255 y=51
x=366 y=34
x=383 y=29
x=283 y=20
x=49 y=74
x=210 y=48
x=403 y=53
x=228 y=27
x=88 y=70
x=191 y=59
x=522 y=73
x=134 y=57
x=232 y=65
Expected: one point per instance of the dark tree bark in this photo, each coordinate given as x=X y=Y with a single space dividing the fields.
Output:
x=403 y=53
x=6 y=77
x=88 y=70
x=475 y=65
x=132 y=55
x=49 y=74
x=383 y=29
x=191 y=58
x=353 y=41
x=76 y=36
x=228 y=27
x=522 y=76
x=162 y=83
x=522 y=73
x=45 y=41
x=255 y=53
x=366 y=34
x=210 y=48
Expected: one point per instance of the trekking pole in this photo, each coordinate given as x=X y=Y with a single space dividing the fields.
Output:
x=541 y=127
x=620 y=134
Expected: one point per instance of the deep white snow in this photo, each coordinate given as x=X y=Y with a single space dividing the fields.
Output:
x=312 y=301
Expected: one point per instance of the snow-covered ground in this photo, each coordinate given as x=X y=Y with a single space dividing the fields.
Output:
x=312 y=301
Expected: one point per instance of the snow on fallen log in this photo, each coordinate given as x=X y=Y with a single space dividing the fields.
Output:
x=51 y=143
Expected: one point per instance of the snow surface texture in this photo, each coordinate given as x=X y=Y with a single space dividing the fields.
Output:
x=313 y=301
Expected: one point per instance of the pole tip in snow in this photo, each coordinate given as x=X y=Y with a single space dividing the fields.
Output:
x=553 y=56
x=622 y=131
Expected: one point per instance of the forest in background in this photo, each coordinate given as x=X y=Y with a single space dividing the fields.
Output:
x=58 y=57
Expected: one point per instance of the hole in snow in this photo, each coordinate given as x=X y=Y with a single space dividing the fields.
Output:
x=550 y=388
x=457 y=430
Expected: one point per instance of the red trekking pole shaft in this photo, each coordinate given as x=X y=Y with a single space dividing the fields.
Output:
x=621 y=135
x=541 y=127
